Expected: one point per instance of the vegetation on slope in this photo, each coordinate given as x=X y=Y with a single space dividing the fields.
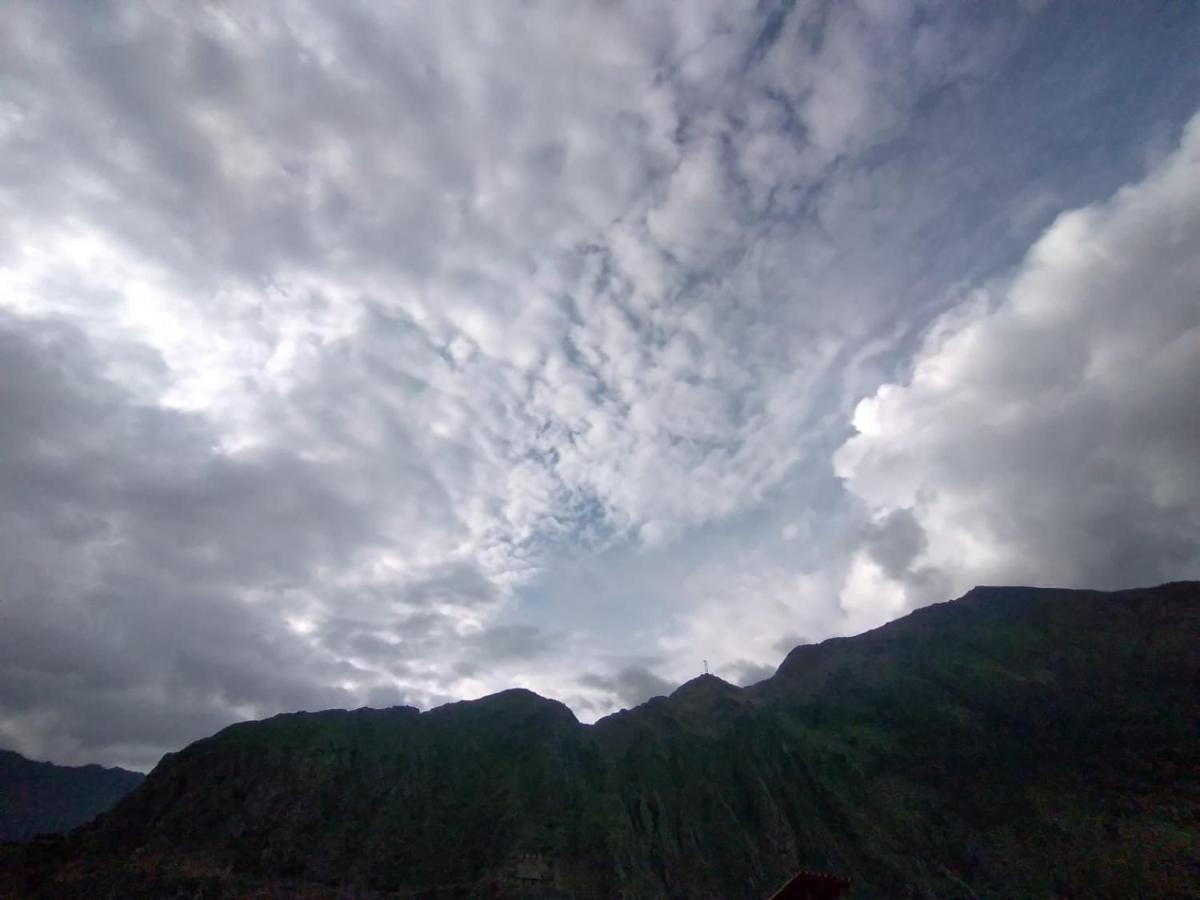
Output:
x=1014 y=743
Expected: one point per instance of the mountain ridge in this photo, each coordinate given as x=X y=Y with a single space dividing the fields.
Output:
x=44 y=798
x=1016 y=742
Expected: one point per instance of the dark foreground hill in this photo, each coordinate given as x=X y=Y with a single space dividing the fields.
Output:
x=1014 y=743
x=39 y=797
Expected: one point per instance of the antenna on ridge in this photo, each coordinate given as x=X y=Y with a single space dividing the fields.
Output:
x=706 y=667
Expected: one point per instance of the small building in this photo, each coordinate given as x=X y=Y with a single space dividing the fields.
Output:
x=807 y=885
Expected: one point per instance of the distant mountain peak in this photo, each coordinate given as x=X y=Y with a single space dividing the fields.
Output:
x=44 y=798
x=706 y=685
x=512 y=701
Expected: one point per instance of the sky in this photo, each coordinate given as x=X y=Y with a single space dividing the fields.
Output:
x=399 y=353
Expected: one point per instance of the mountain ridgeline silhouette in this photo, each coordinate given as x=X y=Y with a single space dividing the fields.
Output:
x=1017 y=742
x=42 y=798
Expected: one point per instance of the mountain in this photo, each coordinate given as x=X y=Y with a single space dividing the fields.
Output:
x=1015 y=743
x=39 y=797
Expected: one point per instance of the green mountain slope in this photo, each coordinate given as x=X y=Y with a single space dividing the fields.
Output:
x=1016 y=743
x=40 y=797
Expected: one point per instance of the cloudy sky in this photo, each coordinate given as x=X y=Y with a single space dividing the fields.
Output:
x=400 y=353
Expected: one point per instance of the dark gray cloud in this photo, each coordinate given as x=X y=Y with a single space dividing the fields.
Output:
x=745 y=672
x=894 y=541
x=132 y=555
x=628 y=686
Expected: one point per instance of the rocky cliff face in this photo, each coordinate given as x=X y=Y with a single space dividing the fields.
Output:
x=1014 y=743
x=40 y=797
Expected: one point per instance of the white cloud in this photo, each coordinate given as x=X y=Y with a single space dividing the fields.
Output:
x=1048 y=431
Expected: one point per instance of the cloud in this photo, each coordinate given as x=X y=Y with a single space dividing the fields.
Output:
x=894 y=541
x=401 y=354
x=746 y=672
x=628 y=686
x=1047 y=432
x=140 y=566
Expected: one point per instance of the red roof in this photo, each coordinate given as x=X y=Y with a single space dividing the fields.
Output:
x=806 y=885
